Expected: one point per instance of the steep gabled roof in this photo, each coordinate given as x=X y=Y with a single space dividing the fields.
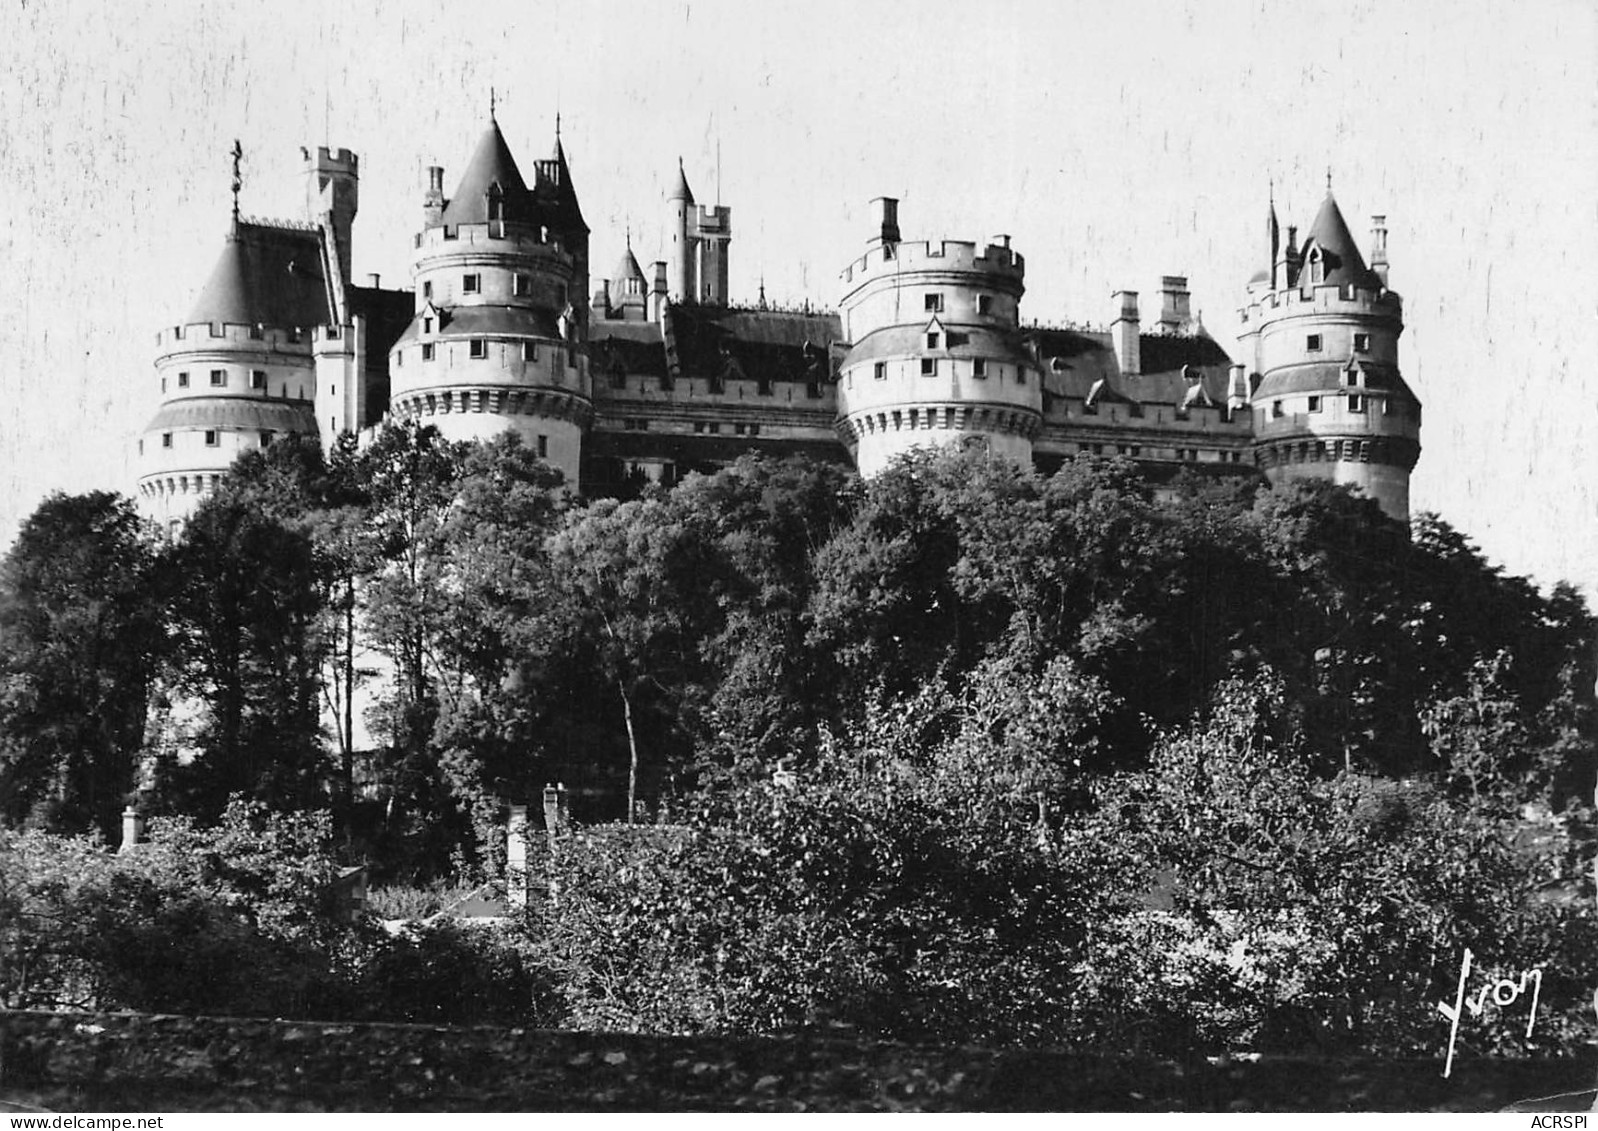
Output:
x=1344 y=266
x=265 y=275
x=491 y=165
x=556 y=194
x=627 y=268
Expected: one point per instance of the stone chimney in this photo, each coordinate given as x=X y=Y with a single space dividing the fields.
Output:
x=433 y=203
x=1379 y=247
x=516 y=859
x=556 y=817
x=1125 y=332
x=885 y=214
x=1175 y=312
x=1237 y=390
x=132 y=829
x=657 y=290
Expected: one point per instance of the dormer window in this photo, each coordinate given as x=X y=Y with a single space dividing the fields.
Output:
x=1317 y=267
x=934 y=303
x=471 y=284
x=932 y=341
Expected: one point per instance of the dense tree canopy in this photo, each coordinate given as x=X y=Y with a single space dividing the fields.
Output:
x=963 y=751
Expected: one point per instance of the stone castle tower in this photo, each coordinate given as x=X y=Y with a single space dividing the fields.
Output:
x=501 y=277
x=935 y=356
x=655 y=373
x=1320 y=332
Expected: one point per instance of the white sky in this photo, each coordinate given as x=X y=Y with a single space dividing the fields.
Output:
x=1115 y=141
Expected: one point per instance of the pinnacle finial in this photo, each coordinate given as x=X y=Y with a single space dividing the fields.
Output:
x=557 y=125
x=238 y=179
x=491 y=104
x=1328 y=180
x=1270 y=190
x=629 y=235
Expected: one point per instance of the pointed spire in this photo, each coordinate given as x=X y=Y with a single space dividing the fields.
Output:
x=238 y=179
x=491 y=105
x=491 y=165
x=681 y=191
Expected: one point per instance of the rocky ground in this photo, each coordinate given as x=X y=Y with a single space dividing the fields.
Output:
x=132 y=1062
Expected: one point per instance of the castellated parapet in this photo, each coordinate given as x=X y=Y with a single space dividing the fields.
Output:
x=935 y=356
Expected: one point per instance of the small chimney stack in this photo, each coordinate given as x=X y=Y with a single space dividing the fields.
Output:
x=1126 y=332
x=1379 y=247
x=885 y=212
x=1237 y=390
x=433 y=202
x=1175 y=310
x=657 y=291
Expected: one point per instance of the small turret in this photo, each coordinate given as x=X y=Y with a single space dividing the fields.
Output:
x=332 y=185
x=680 y=256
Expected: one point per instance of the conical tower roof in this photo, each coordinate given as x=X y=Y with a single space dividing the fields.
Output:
x=1344 y=265
x=627 y=267
x=558 y=194
x=681 y=191
x=491 y=167
x=265 y=276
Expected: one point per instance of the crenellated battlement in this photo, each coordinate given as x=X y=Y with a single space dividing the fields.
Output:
x=1292 y=302
x=203 y=337
x=940 y=255
x=498 y=237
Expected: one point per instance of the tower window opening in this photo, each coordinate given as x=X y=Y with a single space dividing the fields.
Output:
x=1312 y=343
x=427 y=289
x=266 y=439
x=183 y=380
x=1276 y=410
x=1362 y=343
x=471 y=284
x=932 y=341
x=218 y=377
x=399 y=359
x=212 y=439
x=880 y=371
x=929 y=367
x=1314 y=404
x=163 y=384
x=543 y=447
x=166 y=439
x=294 y=333
x=984 y=304
x=427 y=325
x=934 y=302
x=979 y=367
x=427 y=351
x=257 y=332
x=258 y=379
x=479 y=349
x=1356 y=403
x=1020 y=375
x=524 y=286
x=715 y=428
x=529 y=351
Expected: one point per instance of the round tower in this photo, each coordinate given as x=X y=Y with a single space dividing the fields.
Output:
x=935 y=356
x=238 y=372
x=497 y=343
x=682 y=284
x=1328 y=399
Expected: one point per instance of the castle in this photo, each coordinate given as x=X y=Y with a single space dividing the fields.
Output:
x=644 y=376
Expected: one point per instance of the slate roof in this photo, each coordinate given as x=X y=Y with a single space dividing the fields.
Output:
x=1075 y=363
x=721 y=342
x=265 y=275
x=491 y=164
x=241 y=413
x=488 y=321
x=961 y=341
x=1340 y=254
x=627 y=268
x=1328 y=375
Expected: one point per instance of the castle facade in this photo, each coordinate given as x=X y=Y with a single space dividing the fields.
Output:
x=645 y=376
